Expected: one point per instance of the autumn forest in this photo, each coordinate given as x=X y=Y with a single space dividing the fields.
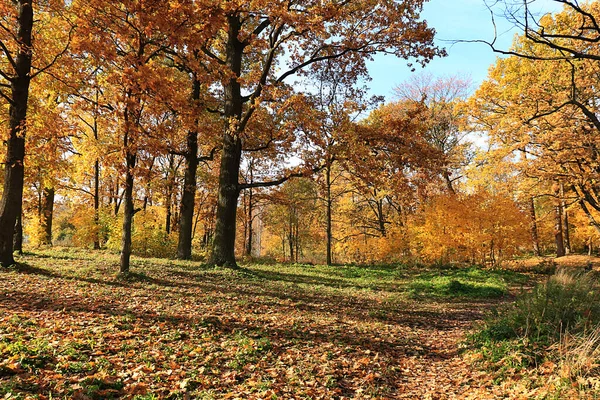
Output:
x=183 y=163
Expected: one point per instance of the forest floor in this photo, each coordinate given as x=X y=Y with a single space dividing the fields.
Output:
x=71 y=328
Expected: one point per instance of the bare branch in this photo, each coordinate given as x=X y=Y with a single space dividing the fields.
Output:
x=3 y=95
x=281 y=180
x=56 y=56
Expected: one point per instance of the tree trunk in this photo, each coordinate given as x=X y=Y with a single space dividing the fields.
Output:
x=329 y=210
x=12 y=195
x=18 y=238
x=297 y=236
x=128 y=210
x=223 y=250
x=291 y=238
x=558 y=228
x=96 y=178
x=118 y=197
x=168 y=214
x=533 y=228
x=128 y=213
x=170 y=188
x=97 y=205
x=46 y=216
x=380 y=218
x=249 y=228
x=448 y=182
x=565 y=217
x=186 y=214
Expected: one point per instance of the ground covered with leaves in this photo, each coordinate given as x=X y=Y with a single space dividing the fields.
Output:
x=71 y=328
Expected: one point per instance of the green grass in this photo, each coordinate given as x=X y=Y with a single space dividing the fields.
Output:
x=466 y=282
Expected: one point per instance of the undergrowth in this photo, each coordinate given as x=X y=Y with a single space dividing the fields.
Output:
x=552 y=334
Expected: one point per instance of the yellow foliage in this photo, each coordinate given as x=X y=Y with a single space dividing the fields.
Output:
x=474 y=227
x=33 y=231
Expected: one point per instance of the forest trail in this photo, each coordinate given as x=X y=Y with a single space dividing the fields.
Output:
x=71 y=329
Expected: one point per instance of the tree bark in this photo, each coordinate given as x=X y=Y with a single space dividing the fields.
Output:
x=12 y=195
x=558 y=227
x=249 y=227
x=128 y=213
x=297 y=236
x=97 y=205
x=329 y=212
x=170 y=189
x=96 y=178
x=565 y=218
x=381 y=218
x=128 y=209
x=448 y=181
x=46 y=216
x=535 y=241
x=291 y=238
x=223 y=250
x=168 y=213
x=186 y=214
x=18 y=238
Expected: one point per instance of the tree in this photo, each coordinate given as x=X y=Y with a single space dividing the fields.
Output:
x=338 y=103
x=17 y=50
x=17 y=72
x=291 y=215
x=565 y=45
x=134 y=37
x=251 y=58
x=446 y=118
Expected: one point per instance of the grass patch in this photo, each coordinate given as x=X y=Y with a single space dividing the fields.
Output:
x=465 y=282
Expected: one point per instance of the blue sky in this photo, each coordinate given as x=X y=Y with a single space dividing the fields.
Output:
x=453 y=20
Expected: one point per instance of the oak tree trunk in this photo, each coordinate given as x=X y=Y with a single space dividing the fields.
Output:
x=223 y=249
x=291 y=239
x=128 y=213
x=329 y=212
x=18 y=238
x=249 y=227
x=533 y=228
x=12 y=195
x=448 y=181
x=96 y=205
x=170 y=188
x=558 y=229
x=186 y=214
x=46 y=216
x=381 y=218
x=565 y=218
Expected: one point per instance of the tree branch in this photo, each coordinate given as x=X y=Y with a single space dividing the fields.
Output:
x=281 y=180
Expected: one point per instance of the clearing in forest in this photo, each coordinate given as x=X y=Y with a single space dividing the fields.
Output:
x=70 y=328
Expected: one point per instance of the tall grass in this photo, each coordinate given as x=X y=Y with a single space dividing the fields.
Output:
x=556 y=324
x=566 y=302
